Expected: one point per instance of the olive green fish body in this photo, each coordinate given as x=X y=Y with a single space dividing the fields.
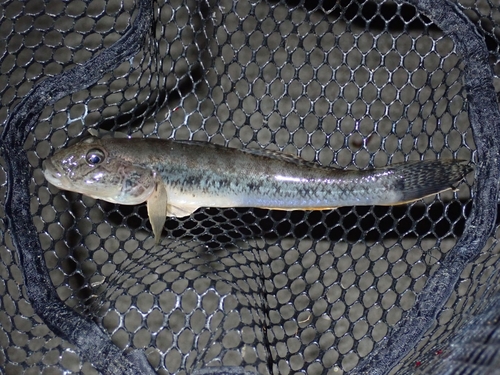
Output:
x=176 y=178
x=224 y=177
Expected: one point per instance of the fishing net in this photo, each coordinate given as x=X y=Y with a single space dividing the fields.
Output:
x=351 y=84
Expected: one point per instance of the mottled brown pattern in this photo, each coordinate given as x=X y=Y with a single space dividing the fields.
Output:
x=199 y=174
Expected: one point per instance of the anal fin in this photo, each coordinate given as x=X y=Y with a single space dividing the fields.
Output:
x=181 y=210
x=311 y=208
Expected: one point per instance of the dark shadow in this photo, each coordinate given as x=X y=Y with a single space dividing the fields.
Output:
x=367 y=14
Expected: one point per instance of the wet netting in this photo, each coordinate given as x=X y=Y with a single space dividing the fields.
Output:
x=408 y=289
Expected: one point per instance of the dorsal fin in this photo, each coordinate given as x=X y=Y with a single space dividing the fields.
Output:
x=271 y=154
x=278 y=155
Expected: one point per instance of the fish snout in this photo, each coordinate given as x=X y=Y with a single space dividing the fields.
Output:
x=53 y=175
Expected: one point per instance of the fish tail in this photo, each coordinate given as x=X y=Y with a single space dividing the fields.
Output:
x=423 y=178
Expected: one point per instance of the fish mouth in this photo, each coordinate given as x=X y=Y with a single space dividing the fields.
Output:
x=54 y=175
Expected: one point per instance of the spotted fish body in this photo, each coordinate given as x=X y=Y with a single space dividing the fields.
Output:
x=176 y=178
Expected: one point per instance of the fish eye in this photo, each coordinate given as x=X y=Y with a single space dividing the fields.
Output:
x=94 y=156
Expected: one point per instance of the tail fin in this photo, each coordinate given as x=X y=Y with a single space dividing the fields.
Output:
x=423 y=178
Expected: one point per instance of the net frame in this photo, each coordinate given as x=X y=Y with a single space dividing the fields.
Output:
x=106 y=357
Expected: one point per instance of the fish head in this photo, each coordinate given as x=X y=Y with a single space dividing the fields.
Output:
x=91 y=167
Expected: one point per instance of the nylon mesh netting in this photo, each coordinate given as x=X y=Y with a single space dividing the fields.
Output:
x=408 y=289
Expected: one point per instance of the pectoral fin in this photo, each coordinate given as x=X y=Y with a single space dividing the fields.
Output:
x=157 y=210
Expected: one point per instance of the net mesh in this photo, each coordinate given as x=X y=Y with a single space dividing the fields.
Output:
x=84 y=289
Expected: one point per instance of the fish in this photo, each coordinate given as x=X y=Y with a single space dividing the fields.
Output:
x=175 y=178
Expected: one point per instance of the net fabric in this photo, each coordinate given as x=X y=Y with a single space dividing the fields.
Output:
x=351 y=85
